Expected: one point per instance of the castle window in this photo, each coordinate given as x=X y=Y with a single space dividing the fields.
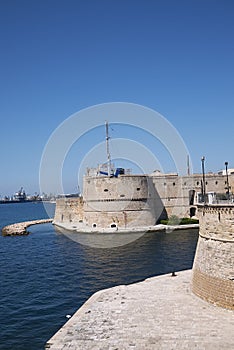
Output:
x=122 y=195
x=185 y=184
x=106 y=190
x=206 y=183
x=138 y=188
x=173 y=183
x=165 y=184
x=113 y=225
x=198 y=183
x=216 y=182
x=94 y=225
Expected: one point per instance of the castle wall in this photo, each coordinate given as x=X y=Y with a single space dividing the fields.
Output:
x=69 y=210
x=125 y=201
x=213 y=269
x=175 y=191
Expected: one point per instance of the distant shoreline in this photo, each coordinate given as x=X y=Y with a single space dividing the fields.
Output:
x=26 y=201
x=16 y=201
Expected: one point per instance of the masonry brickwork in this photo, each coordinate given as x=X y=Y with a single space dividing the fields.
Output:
x=69 y=210
x=213 y=269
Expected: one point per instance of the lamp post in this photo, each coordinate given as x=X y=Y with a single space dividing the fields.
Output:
x=204 y=179
x=228 y=194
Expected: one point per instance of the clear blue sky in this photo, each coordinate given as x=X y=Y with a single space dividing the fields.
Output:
x=58 y=57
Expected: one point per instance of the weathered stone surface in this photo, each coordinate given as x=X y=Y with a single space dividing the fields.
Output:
x=69 y=210
x=213 y=269
x=158 y=313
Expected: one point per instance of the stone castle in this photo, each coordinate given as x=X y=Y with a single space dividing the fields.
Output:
x=127 y=201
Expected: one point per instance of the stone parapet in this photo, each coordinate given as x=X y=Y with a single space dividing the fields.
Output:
x=217 y=221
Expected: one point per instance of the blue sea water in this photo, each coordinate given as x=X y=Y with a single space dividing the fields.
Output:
x=45 y=276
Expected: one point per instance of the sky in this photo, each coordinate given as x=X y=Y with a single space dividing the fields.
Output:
x=60 y=57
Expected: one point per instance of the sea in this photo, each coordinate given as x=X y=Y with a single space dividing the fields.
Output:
x=46 y=276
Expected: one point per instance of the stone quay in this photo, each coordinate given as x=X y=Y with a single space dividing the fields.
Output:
x=158 y=313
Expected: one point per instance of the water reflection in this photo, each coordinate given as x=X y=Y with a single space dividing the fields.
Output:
x=101 y=240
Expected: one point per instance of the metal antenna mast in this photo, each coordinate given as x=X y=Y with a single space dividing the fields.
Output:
x=108 y=150
x=188 y=165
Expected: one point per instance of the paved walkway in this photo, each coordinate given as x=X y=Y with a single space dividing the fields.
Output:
x=159 y=313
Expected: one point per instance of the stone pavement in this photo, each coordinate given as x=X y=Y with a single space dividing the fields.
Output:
x=158 y=313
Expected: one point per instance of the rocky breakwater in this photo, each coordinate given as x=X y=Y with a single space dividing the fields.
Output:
x=20 y=228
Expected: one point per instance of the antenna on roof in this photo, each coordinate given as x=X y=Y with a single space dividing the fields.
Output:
x=108 y=150
x=188 y=165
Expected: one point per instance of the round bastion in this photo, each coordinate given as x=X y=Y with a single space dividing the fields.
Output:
x=120 y=202
x=213 y=268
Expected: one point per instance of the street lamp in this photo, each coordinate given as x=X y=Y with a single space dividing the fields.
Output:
x=228 y=194
x=204 y=179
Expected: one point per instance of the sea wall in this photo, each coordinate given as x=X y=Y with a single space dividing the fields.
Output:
x=213 y=273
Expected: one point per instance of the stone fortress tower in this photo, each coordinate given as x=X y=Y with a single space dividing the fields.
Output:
x=111 y=202
x=213 y=269
x=120 y=202
x=111 y=199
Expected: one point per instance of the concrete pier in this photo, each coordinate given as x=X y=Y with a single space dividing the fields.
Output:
x=158 y=313
x=20 y=228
